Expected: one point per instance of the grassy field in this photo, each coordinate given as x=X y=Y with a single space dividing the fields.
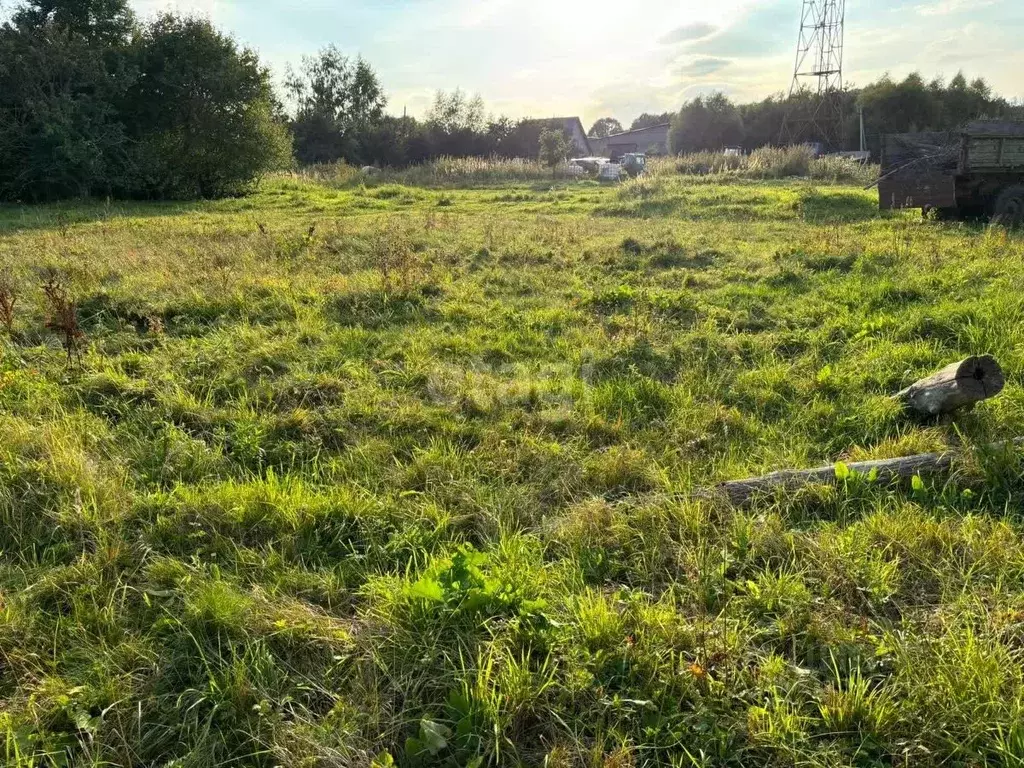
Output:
x=352 y=476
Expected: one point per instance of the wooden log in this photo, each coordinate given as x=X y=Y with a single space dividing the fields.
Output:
x=884 y=471
x=956 y=386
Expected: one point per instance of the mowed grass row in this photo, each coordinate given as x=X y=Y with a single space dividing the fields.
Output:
x=398 y=475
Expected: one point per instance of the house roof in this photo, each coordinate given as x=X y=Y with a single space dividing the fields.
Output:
x=640 y=130
x=566 y=122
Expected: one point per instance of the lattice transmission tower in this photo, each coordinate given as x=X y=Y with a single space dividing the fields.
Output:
x=815 y=106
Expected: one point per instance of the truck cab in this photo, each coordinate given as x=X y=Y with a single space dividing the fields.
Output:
x=634 y=163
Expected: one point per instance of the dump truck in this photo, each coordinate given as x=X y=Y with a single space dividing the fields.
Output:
x=976 y=172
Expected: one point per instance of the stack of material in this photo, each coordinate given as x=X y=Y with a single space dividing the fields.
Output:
x=919 y=170
x=995 y=128
x=915 y=154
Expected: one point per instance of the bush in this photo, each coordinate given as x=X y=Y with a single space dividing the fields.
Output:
x=201 y=113
x=97 y=104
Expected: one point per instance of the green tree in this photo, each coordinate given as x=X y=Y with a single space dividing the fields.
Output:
x=707 y=122
x=554 y=147
x=456 y=112
x=63 y=69
x=647 y=120
x=392 y=141
x=899 y=107
x=92 y=103
x=104 y=21
x=337 y=104
x=762 y=120
x=605 y=127
x=201 y=113
x=456 y=125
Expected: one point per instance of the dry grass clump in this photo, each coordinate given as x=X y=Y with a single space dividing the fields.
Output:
x=8 y=300
x=62 y=314
x=394 y=255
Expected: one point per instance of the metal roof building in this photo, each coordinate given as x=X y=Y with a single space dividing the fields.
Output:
x=652 y=140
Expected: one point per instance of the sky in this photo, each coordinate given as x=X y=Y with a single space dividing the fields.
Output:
x=596 y=58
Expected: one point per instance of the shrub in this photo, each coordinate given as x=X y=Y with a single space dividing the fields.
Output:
x=62 y=314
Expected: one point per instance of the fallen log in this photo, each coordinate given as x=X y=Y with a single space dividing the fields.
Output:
x=956 y=386
x=883 y=471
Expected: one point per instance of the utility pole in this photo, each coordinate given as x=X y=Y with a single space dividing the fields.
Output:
x=863 y=137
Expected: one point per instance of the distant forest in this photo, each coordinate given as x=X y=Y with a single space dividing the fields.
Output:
x=95 y=102
x=889 y=106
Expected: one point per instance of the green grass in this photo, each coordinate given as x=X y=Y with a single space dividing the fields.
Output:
x=418 y=485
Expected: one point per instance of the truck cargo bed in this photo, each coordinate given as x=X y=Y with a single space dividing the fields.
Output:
x=967 y=171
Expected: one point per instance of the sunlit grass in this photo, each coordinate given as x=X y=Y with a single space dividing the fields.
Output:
x=350 y=473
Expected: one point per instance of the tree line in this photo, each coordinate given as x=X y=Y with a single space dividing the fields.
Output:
x=338 y=114
x=888 y=106
x=96 y=102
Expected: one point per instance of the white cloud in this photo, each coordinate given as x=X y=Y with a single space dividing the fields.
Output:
x=215 y=10
x=946 y=7
x=546 y=57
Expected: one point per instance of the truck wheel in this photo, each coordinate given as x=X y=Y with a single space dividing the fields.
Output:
x=1009 y=207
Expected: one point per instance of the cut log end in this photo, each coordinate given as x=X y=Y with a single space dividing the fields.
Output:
x=982 y=375
x=956 y=386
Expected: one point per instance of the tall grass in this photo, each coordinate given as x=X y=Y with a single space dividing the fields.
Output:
x=442 y=172
x=768 y=163
x=455 y=172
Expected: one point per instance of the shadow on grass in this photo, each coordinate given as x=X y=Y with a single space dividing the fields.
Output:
x=839 y=206
x=16 y=218
x=640 y=209
x=377 y=310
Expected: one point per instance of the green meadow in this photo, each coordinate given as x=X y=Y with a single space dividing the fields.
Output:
x=369 y=475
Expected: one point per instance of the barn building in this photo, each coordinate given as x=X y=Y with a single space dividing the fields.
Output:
x=652 y=140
